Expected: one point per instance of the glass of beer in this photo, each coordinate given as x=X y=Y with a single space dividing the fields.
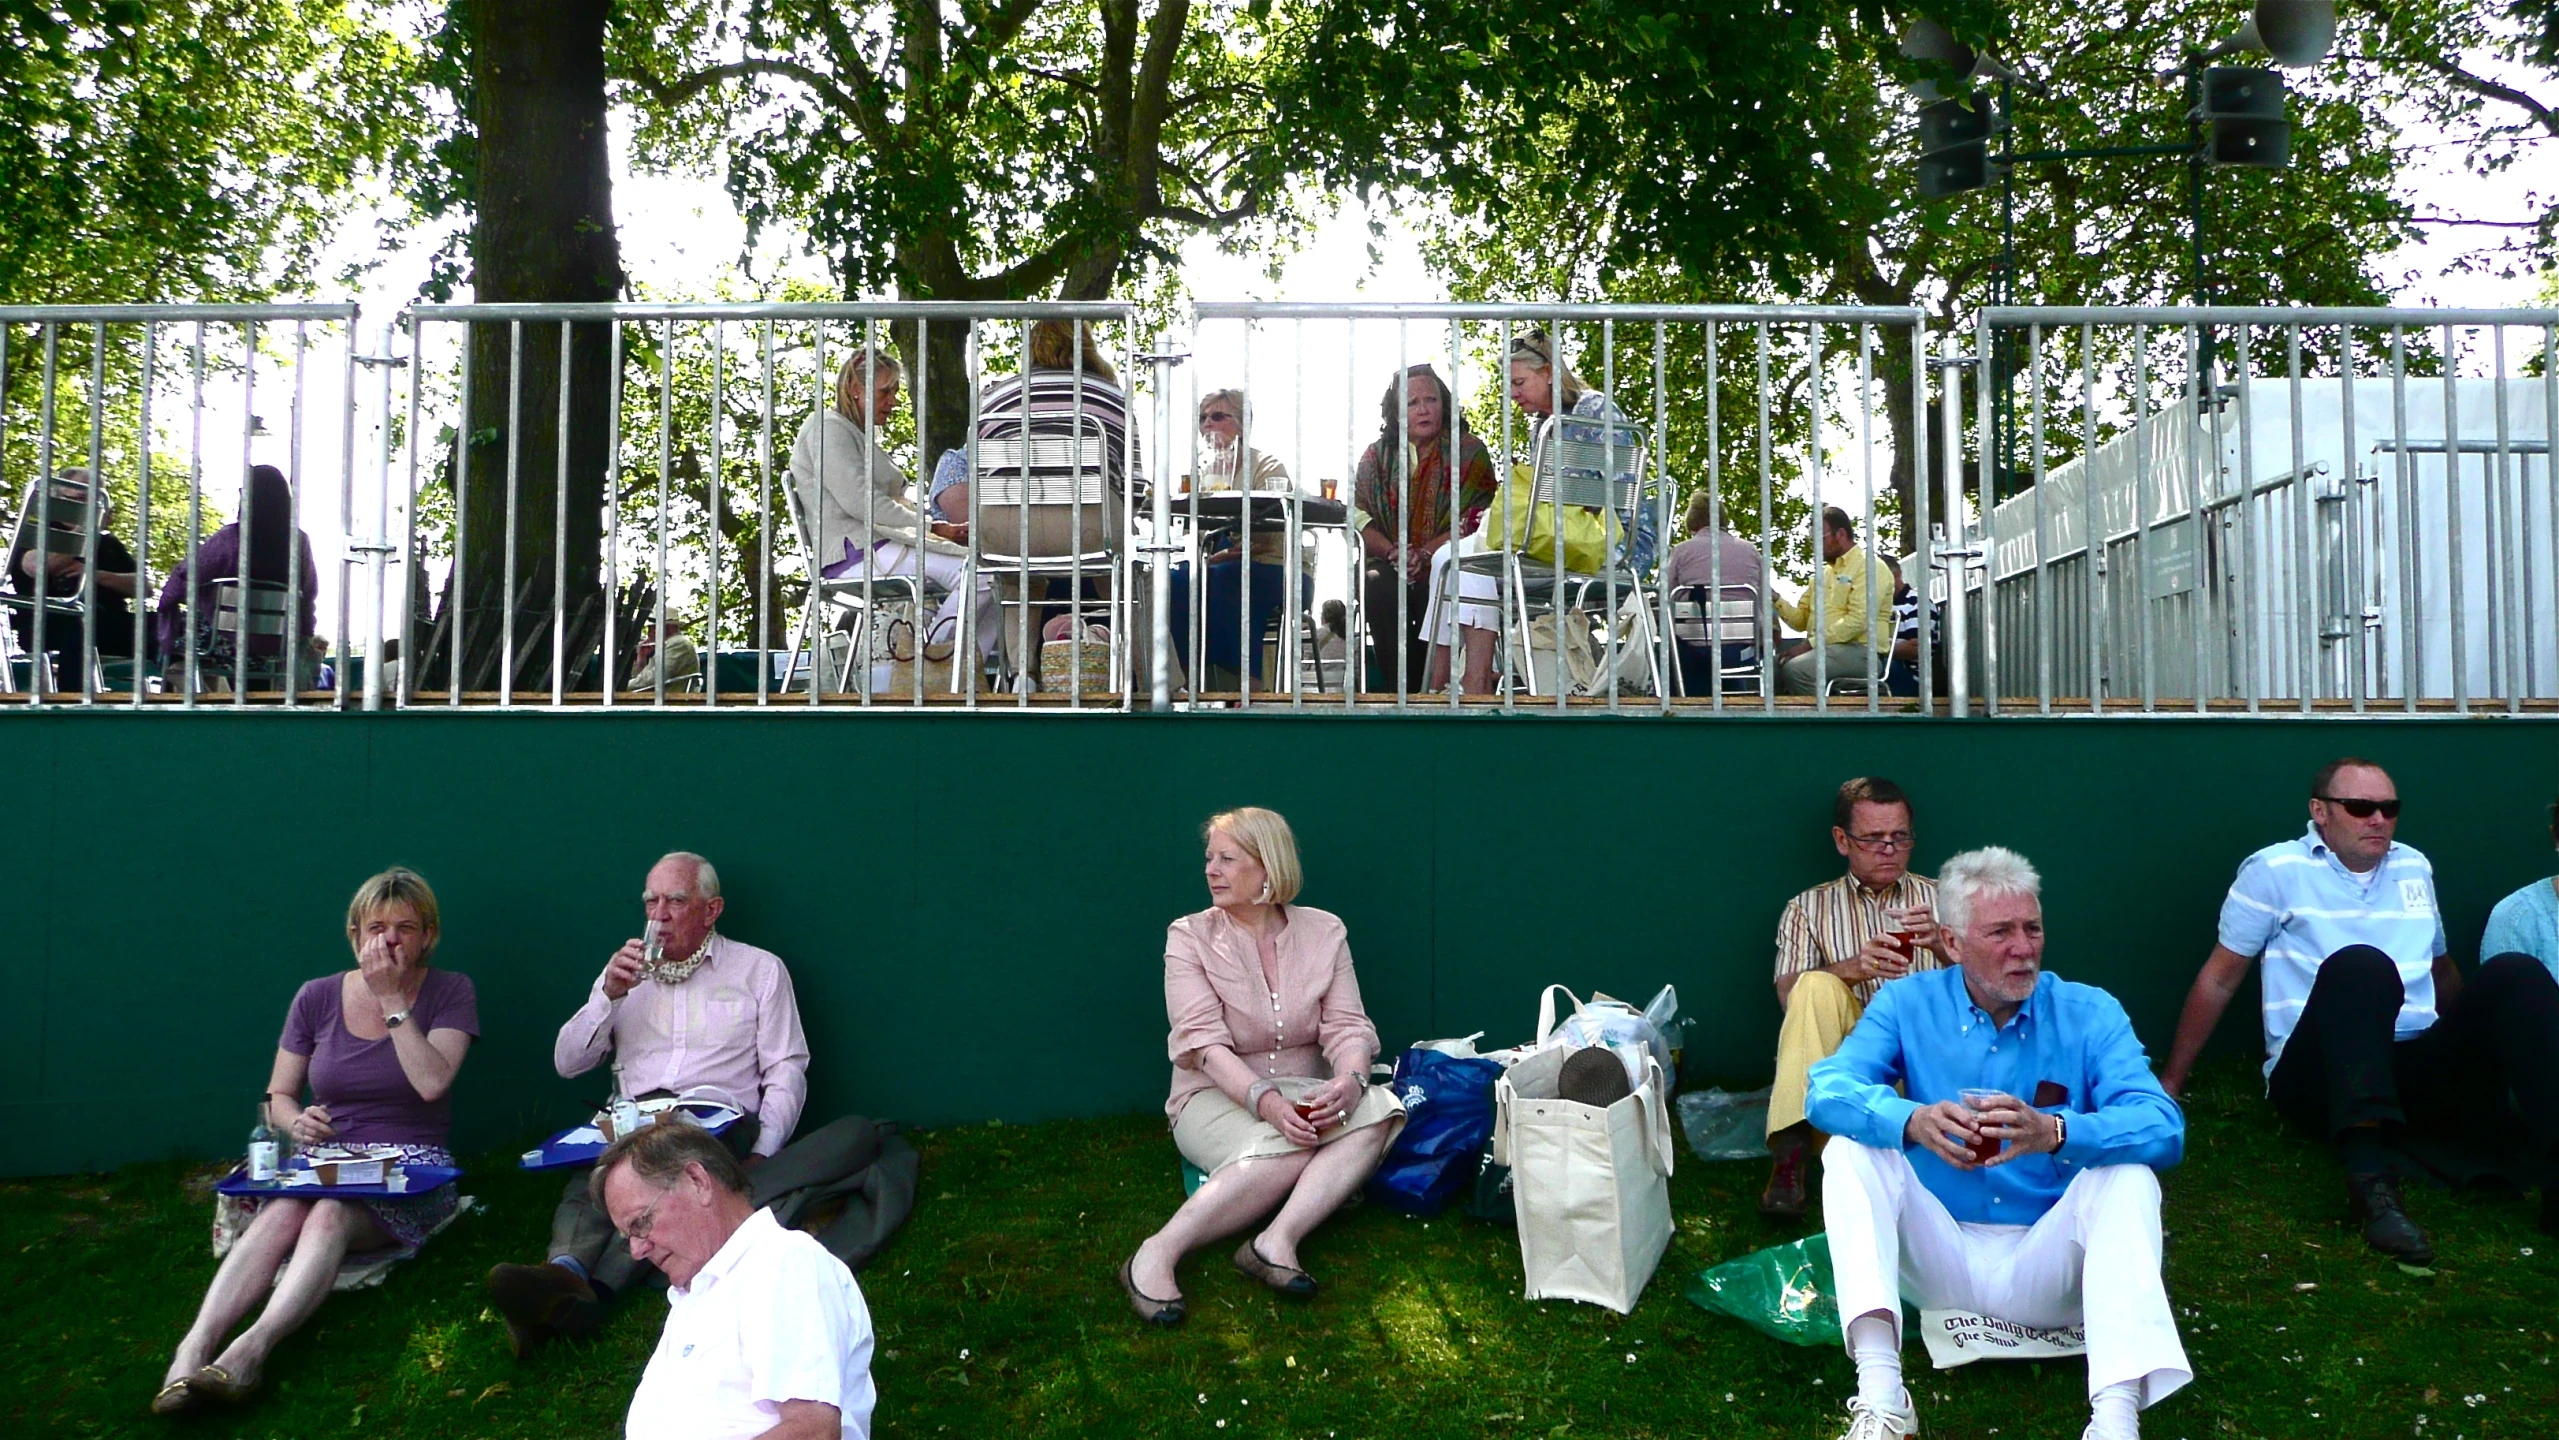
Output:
x=1332 y=488
x=1897 y=934
x=1985 y=1148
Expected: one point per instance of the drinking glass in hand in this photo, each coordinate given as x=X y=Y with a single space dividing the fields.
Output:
x=652 y=950
x=1985 y=1147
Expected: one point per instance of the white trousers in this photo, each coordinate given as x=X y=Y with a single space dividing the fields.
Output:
x=948 y=571
x=2093 y=1258
x=1479 y=597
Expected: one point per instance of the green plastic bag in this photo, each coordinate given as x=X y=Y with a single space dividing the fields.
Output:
x=1784 y=1291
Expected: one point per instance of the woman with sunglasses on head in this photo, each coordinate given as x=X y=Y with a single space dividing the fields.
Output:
x=1226 y=463
x=1541 y=386
x=2527 y=922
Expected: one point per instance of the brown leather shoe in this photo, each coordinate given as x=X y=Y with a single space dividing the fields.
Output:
x=1784 y=1199
x=1285 y=1279
x=217 y=1383
x=540 y=1301
x=1164 y=1314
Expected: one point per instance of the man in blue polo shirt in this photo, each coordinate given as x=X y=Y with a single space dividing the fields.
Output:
x=2011 y=1175
x=2370 y=1031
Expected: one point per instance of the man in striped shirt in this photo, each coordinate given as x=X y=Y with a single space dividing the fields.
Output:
x=1832 y=955
x=2371 y=1033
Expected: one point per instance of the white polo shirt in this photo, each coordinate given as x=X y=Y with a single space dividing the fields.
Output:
x=2295 y=904
x=773 y=1317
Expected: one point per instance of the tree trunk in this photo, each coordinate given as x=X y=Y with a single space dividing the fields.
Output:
x=543 y=232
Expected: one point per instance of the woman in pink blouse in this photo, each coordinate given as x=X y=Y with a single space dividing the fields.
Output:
x=1271 y=1050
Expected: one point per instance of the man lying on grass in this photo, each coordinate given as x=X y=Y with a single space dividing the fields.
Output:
x=1958 y=1194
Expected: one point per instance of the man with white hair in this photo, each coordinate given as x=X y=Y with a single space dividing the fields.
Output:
x=705 y=1012
x=2011 y=1176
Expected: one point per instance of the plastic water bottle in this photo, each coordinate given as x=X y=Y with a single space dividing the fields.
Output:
x=265 y=1149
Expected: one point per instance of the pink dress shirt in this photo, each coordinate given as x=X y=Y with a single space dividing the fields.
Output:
x=1215 y=994
x=734 y=1025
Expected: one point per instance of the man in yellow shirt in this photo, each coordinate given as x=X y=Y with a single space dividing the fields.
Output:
x=1856 y=606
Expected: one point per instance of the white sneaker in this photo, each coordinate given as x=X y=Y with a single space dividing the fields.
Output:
x=1879 y=1422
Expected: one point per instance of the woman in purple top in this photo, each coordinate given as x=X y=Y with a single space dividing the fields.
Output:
x=262 y=545
x=379 y=1046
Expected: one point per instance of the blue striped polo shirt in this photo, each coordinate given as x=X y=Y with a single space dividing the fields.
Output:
x=2295 y=904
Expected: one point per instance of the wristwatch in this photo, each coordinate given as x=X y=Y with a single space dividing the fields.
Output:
x=395 y=1019
x=2061 y=1130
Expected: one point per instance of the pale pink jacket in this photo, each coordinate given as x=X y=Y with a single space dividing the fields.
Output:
x=1215 y=994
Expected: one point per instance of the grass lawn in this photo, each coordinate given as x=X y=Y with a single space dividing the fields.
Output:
x=998 y=1317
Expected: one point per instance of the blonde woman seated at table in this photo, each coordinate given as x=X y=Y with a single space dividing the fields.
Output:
x=854 y=498
x=380 y=1045
x=1271 y=1050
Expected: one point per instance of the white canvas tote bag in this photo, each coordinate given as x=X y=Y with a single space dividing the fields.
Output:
x=1593 y=1185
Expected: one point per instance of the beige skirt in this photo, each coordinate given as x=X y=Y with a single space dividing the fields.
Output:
x=1214 y=1132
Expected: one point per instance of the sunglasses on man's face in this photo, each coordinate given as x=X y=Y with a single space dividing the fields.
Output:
x=2363 y=809
x=1208 y=415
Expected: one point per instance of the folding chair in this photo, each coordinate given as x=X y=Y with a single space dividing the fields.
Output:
x=241 y=611
x=1585 y=462
x=64 y=506
x=1714 y=621
x=1022 y=485
x=840 y=601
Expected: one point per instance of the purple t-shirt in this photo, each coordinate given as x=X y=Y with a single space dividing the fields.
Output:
x=369 y=1097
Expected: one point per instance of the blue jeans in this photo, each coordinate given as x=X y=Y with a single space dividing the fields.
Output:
x=1226 y=589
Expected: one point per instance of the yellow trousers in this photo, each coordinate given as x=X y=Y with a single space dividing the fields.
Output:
x=1820 y=1011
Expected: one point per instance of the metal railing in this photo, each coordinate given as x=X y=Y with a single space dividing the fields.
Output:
x=90 y=388
x=2167 y=511
x=2293 y=511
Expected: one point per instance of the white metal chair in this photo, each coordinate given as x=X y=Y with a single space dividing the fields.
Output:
x=1713 y=621
x=1017 y=483
x=1587 y=462
x=847 y=615
x=64 y=507
x=242 y=611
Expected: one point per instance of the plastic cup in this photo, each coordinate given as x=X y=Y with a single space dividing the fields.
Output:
x=1985 y=1149
x=1332 y=488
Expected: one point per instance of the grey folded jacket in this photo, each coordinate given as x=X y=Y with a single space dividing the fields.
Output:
x=865 y=1164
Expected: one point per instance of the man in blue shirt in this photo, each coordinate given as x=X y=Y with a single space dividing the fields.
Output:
x=2370 y=1031
x=2011 y=1174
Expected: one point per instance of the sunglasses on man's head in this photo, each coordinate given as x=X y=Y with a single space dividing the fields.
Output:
x=2363 y=809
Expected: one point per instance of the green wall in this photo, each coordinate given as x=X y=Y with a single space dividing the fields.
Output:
x=972 y=905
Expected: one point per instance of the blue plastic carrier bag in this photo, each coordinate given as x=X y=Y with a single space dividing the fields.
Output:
x=1448 y=1108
